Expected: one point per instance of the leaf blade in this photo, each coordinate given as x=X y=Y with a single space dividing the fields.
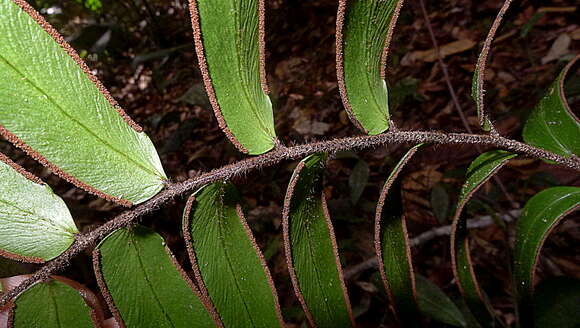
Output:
x=310 y=247
x=36 y=225
x=540 y=215
x=433 y=303
x=228 y=265
x=479 y=172
x=364 y=29
x=552 y=125
x=393 y=248
x=230 y=54
x=358 y=180
x=57 y=303
x=477 y=87
x=143 y=284
x=90 y=141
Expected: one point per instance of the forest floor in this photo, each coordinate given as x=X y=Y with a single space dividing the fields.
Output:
x=149 y=65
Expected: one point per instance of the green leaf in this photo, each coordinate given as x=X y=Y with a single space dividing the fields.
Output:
x=552 y=125
x=433 y=303
x=36 y=225
x=363 y=32
x=229 y=40
x=539 y=216
x=440 y=203
x=227 y=262
x=479 y=172
x=310 y=247
x=392 y=246
x=477 y=87
x=529 y=25
x=358 y=180
x=57 y=303
x=56 y=110
x=143 y=284
x=556 y=303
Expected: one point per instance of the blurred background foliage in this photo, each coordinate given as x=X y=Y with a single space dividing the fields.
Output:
x=143 y=52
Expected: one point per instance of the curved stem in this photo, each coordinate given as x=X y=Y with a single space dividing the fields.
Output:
x=86 y=240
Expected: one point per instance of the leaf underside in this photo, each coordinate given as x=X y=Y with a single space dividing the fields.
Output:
x=479 y=172
x=143 y=285
x=229 y=266
x=392 y=246
x=552 y=125
x=477 y=87
x=311 y=248
x=228 y=42
x=52 y=304
x=50 y=107
x=363 y=28
x=36 y=224
x=539 y=216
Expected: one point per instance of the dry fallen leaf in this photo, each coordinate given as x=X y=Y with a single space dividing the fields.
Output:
x=576 y=34
x=445 y=50
x=559 y=48
x=569 y=9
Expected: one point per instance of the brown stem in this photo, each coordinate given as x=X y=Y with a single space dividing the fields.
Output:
x=453 y=94
x=86 y=240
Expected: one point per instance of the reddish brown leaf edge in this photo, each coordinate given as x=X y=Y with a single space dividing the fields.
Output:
x=378 y=244
x=73 y=54
x=203 y=67
x=88 y=296
x=481 y=65
x=193 y=258
x=463 y=238
x=340 y=17
x=288 y=248
x=35 y=179
x=113 y=308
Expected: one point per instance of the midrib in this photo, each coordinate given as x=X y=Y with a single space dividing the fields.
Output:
x=42 y=218
x=231 y=267
x=72 y=119
x=245 y=94
x=150 y=285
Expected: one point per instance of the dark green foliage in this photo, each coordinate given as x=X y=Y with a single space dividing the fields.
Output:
x=143 y=285
x=56 y=111
x=310 y=247
x=229 y=266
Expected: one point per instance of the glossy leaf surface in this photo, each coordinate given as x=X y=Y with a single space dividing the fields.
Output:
x=364 y=28
x=433 y=303
x=229 y=266
x=310 y=248
x=552 y=125
x=52 y=304
x=35 y=224
x=229 y=40
x=392 y=246
x=541 y=213
x=479 y=172
x=53 y=108
x=144 y=285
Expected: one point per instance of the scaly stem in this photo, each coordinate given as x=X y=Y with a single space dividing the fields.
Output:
x=86 y=240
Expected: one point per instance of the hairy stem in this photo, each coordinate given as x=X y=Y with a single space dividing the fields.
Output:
x=454 y=98
x=89 y=239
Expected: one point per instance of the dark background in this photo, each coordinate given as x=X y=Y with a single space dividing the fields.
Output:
x=143 y=52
